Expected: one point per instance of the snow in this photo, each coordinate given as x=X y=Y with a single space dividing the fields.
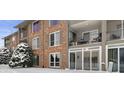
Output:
x=21 y=55
x=5 y=55
x=7 y=69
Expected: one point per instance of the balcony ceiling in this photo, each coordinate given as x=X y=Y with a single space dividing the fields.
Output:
x=85 y=25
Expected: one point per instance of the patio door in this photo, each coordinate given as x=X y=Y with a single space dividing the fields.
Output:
x=91 y=60
x=76 y=60
x=122 y=60
x=116 y=59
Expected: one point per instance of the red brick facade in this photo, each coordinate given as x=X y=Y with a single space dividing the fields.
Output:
x=44 y=50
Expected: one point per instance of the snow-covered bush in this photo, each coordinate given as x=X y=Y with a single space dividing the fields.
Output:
x=22 y=56
x=5 y=55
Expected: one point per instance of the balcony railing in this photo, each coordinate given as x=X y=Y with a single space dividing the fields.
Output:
x=23 y=34
x=86 y=41
x=115 y=35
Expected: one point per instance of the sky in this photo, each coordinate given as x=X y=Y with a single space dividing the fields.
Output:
x=6 y=28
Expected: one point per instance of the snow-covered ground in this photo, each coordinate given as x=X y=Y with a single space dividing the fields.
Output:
x=7 y=69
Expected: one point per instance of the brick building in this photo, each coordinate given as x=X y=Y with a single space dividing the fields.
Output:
x=93 y=45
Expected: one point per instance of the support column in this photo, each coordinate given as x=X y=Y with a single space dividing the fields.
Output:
x=104 y=39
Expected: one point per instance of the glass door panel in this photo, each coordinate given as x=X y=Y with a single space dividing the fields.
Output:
x=86 y=60
x=113 y=60
x=72 y=60
x=95 y=60
x=79 y=60
x=122 y=60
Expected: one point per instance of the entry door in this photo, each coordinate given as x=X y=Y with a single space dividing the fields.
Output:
x=122 y=60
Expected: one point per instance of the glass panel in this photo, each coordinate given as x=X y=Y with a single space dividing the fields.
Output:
x=94 y=36
x=95 y=60
x=54 y=22
x=79 y=60
x=86 y=37
x=36 y=60
x=72 y=60
x=51 y=39
x=38 y=42
x=114 y=30
x=87 y=60
x=57 y=59
x=36 y=26
x=113 y=60
x=52 y=60
x=122 y=60
x=57 y=38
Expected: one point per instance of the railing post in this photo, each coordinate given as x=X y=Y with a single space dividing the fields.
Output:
x=122 y=32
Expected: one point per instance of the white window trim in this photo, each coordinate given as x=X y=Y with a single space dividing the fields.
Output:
x=54 y=60
x=33 y=24
x=87 y=49
x=54 y=39
x=49 y=22
x=112 y=46
x=35 y=46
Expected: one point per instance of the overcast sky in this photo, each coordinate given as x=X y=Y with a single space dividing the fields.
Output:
x=6 y=28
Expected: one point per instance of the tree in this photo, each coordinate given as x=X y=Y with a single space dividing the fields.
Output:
x=22 y=56
x=5 y=55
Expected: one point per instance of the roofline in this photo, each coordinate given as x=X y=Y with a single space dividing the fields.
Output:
x=24 y=23
x=10 y=35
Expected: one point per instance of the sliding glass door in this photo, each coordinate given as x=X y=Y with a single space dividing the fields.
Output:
x=91 y=60
x=72 y=60
x=116 y=59
x=95 y=60
x=113 y=60
x=122 y=60
x=76 y=60
x=86 y=60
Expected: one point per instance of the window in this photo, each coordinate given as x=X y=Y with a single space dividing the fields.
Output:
x=54 y=38
x=54 y=59
x=36 y=26
x=53 y=22
x=35 y=43
x=36 y=60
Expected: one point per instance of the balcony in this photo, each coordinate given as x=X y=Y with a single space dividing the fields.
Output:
x=85 y=32
x=115 y=35
x=115 y=30
x=23 y=34
x=88 y=38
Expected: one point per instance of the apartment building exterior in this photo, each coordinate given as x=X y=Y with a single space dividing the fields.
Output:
x=91 y=45
x=11 y=41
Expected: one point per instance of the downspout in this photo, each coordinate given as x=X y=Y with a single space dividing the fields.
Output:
x=43 y=44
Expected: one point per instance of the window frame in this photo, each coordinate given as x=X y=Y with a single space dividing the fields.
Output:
x=33 y=26
x=35 y=44
x=50 y=23
x=55 y=39
x=54 y=55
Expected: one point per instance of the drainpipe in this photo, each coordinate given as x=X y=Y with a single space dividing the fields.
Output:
x=43 y=43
